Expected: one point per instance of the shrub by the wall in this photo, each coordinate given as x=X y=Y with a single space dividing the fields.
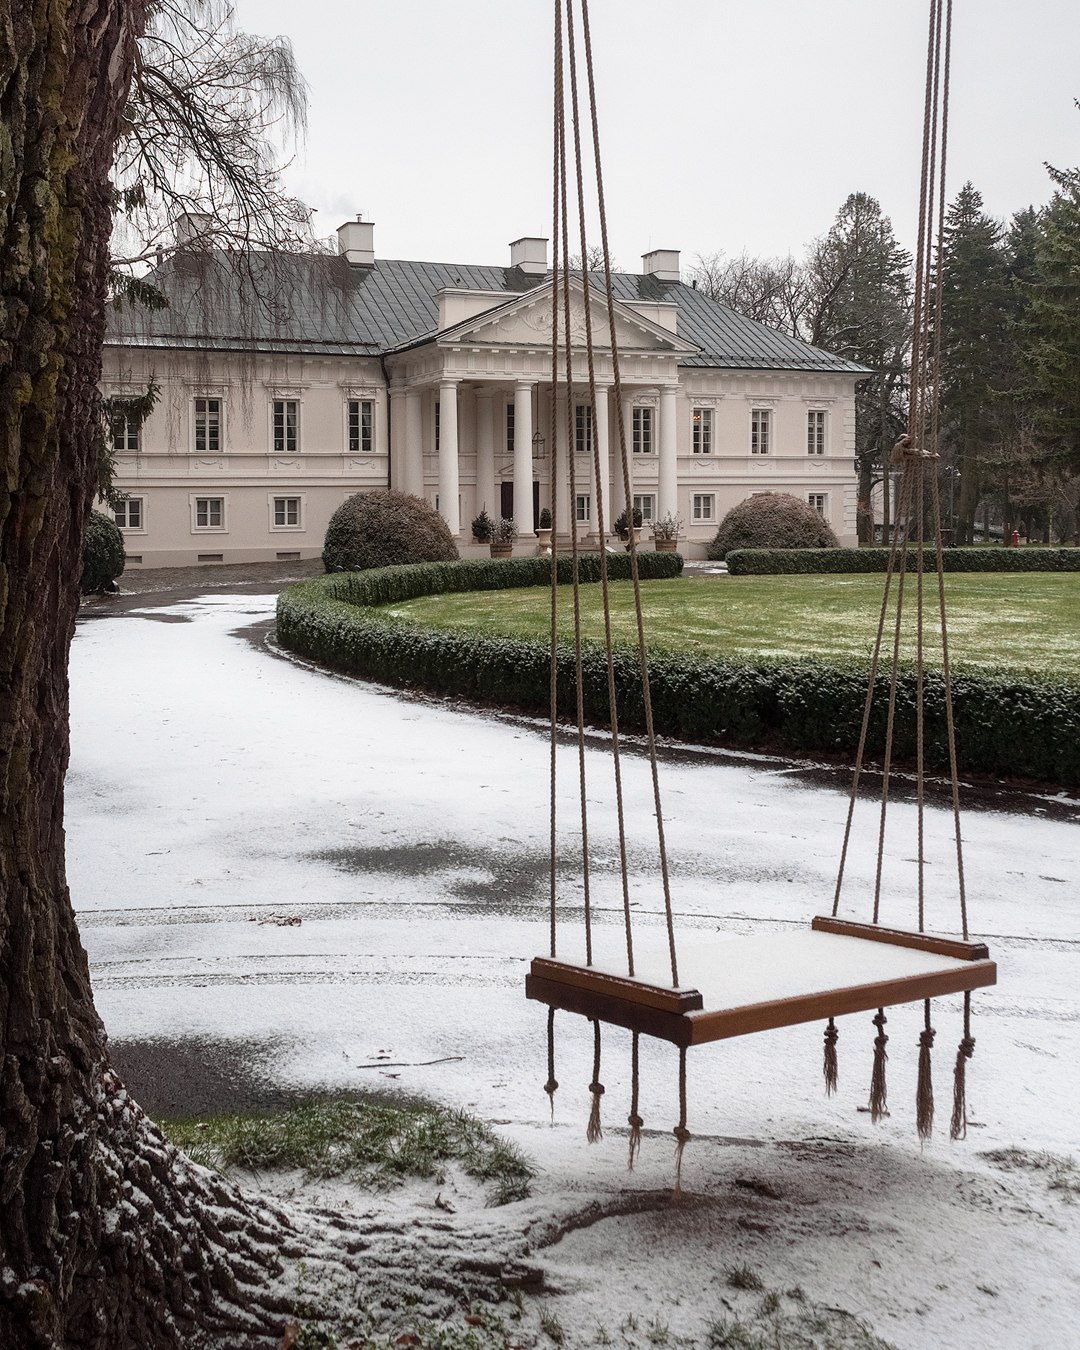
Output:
x=385 y=529
x=103 y=554
x=1013 y=725
x=772 y=562
x=773 y=520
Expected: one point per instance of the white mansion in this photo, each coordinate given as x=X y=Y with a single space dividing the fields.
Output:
x=289 y=382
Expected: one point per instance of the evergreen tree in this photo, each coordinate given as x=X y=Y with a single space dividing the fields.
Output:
x=859 y=288
x=1052 y=355
x=975 y=341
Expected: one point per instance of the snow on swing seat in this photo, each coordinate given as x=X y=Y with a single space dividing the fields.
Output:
x=733 y=985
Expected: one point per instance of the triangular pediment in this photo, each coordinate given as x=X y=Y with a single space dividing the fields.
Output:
x=526 y=321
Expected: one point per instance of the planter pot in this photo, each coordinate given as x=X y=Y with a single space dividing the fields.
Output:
x=666 y=545
x=544 y=540
x=501 y=550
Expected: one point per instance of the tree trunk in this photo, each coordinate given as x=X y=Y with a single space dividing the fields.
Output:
x=108 y=1237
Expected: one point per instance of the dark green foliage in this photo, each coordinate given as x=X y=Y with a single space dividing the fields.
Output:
x=1053 y=333
x=622 y=524
x=103 y=554
x=481 y=527
x=1019 y=725
x=746 y=562
x=385 y=529
x=771 y=520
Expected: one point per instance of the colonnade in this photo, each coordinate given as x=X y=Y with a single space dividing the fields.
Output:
x=531 y=405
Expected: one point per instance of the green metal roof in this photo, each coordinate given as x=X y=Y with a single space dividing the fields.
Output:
x=316 y=304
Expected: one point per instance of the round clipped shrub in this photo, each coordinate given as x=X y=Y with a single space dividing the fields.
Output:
x=103 y=554
x=383 y=529
x=771 y=520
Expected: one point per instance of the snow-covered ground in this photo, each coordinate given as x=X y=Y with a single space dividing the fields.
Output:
x=218 y=791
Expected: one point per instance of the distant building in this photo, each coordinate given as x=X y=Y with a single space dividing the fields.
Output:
x=289 y=382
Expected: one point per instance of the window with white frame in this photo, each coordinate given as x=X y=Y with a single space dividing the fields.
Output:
x=208 y=513
x=287 y=513
x=129 y=514
x=583 y=429
x=286 y=426
x=437 y=427
x=815 y=431
x=703 y=506
x=702 y=431
x=645 y=502
x=760 y=431
x=125 y=428
x=583 y=508
x=820 y=502
x=509 y=428
x=208 y=426
x=642 y=431
x=361 y=417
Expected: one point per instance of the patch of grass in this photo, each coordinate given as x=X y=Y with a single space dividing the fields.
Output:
x=374 y=1144
x=551 y=1326
x=1013 y=621
x=1062 y=1173
x=657 y=1332
x=745 y=1277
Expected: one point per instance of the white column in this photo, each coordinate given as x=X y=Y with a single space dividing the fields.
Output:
x=603 y=455
x=397 y=437
x=620 y=503
x=668 y=494
x=412 y=478
x=448 y=456
x=485 y=453
x=523 y=471
x=561 y=467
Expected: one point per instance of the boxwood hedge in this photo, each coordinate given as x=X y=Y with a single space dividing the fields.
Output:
x=774 y=561
x=1011 y=725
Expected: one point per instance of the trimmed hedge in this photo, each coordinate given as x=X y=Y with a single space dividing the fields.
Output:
x=745 y=562
x=385 y=529
x=771 y=520
x=1018 y=726
x=103 y=554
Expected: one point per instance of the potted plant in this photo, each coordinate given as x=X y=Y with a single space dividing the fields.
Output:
x=666 y=533
x=481 y=527
x=543 y=532
x=622 y=525
x=503 y=534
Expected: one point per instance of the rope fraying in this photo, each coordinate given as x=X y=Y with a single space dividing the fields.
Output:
x=958 y=1125
x=633 y=1119
x=924 y=1092
x=681 y=1133
x=594 y=1133
x=879 y=1099
x=832 y=1075
x=552 y=1084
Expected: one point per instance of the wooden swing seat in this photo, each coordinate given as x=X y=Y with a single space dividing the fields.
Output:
x=735 y=985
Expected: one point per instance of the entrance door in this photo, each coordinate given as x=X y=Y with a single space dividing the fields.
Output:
x=506 y=501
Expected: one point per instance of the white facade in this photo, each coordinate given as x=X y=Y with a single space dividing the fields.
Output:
x=248 y=453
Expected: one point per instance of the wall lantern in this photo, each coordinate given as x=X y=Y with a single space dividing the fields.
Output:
x=539 y=445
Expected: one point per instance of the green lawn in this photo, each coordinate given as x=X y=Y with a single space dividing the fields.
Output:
x=1009 y=621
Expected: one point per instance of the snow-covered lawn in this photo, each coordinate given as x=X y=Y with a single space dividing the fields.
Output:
x=217 y=790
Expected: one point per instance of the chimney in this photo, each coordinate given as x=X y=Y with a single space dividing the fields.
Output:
x=530 y=255
x=661 y=263
x=356 y=242
x=193 y=230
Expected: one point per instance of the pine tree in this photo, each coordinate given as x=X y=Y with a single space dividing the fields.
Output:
x=1052 y=356
x=858 y=280
x=976 y=315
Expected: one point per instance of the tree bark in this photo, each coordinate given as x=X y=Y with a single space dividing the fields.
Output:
x=108 y=1236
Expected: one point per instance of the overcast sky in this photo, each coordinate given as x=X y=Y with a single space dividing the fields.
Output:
x=725 y=124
